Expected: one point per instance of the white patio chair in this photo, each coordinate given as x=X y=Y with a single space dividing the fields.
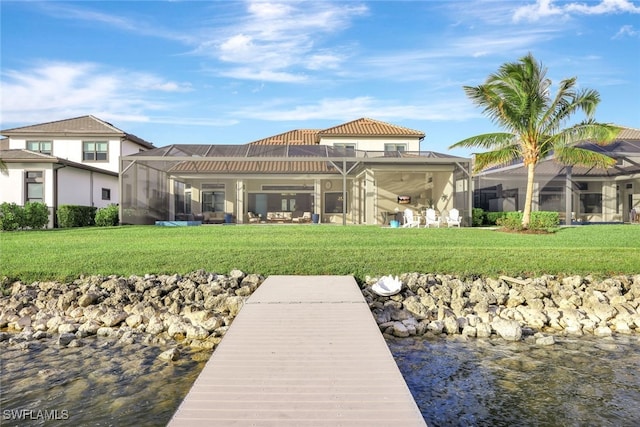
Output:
x=409 y=220
x=431 y=218
x=453 y=218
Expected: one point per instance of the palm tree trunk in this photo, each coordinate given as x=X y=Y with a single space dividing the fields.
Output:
x=526 y=214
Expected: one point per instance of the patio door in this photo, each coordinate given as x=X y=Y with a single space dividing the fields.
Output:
x=213 y=201
x=260 y=206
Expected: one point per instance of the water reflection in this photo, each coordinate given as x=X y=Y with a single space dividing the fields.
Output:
x=576 y=382
x=99 y=384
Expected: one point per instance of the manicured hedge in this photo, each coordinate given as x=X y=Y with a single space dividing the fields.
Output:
x=34 y=215
x=109 y=216
x=76 y=216
x=539 y=220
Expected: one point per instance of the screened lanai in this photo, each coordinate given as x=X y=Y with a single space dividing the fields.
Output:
x=338 y=185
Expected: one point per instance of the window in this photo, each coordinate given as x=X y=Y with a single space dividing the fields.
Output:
x=395 y=147
x=333 y=202
x=95 y=150
x=591 y=203
x=43 y=147
x=106 y=194
x=34 y=184
x=346 y=147
x=213 y=201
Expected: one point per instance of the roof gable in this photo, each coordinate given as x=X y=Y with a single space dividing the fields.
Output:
x=85 y=126
x=369 y=127
x=293 y=137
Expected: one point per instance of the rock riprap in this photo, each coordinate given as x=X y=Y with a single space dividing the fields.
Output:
x=194 y=310
x=511 y=308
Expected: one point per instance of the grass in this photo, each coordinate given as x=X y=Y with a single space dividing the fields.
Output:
x=65 y=254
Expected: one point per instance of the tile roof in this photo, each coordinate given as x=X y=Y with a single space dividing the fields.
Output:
x=359 y=127
x=629 y=133
x=369 y=127
x=27 y=156
x=551 y=168
x=85 y=125
x=627 y=142
x=216 y=166
x=293 y=137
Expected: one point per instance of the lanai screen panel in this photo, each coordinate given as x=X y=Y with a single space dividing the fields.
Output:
x=144 y=192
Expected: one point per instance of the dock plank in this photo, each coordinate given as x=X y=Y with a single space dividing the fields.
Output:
x=304 y=351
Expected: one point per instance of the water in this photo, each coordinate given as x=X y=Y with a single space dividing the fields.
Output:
x=99 y=384
x=582 y=381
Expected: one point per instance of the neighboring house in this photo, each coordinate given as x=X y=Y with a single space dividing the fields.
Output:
x=597 y=195
x=74 y=161
x=360 y=172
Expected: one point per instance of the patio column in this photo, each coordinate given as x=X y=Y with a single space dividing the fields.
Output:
x=568 y=196
x=239 y=201
x=370 y=197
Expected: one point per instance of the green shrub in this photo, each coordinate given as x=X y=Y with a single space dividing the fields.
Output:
x=477 y=217
x=11 y=217
x=76 y=216
x=510 y=220
x=36 y=215
x=493 y=217
x=539 y=220
x=544 y=220
x=109 y=216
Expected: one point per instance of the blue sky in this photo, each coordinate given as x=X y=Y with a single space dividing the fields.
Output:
x=230 y=72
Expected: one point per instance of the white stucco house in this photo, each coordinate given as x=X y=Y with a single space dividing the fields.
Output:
x=73 y=161
x=360 y=172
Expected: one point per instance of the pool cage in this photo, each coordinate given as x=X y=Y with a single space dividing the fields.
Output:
x=339 y=184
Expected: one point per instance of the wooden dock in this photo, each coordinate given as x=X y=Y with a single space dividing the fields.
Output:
x=303 y=351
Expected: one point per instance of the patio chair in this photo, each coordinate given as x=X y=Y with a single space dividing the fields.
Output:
x=305 y=217
x=453 y=218
x=409 y=220
x=431 y=218
x=253 y=218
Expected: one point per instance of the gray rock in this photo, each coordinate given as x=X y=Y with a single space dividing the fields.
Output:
x=508 y=329
x=170 y=355
x=65 y=339
x=545 y=340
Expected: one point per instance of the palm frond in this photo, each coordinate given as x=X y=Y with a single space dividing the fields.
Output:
x=498 y=157
x=584 y=157
x=597 y=133
x=495 y=140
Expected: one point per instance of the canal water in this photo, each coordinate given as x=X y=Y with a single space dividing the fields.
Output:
x=582 y=381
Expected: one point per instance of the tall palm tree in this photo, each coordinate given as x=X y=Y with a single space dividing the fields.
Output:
x=517 y=98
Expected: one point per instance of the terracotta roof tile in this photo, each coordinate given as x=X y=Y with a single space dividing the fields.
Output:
x=27 y=156
x=85 y=125
x=293 y=137
x=216 y=166
x=369 y=127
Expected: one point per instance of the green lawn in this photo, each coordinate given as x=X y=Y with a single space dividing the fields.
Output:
x=317 y=249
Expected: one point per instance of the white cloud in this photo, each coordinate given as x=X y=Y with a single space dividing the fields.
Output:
x=75 y=89
x=627 y=31
x=134 y=25
x=363 y=106
x=248 y=73
x=275 y=38
x=547 y=8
